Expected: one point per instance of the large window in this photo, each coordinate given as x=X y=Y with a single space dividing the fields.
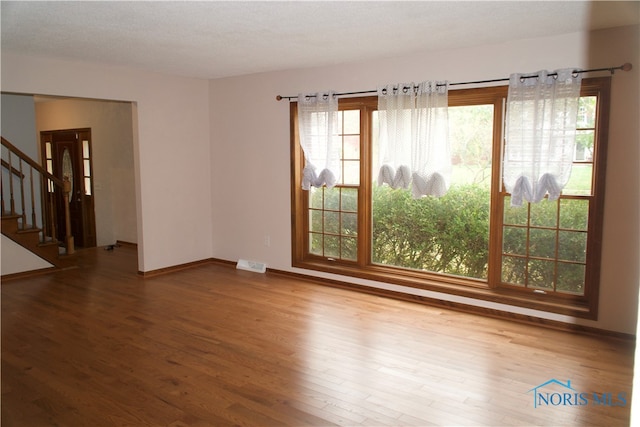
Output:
x=469 y=242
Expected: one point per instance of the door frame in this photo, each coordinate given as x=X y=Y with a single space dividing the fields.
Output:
x=83 y=217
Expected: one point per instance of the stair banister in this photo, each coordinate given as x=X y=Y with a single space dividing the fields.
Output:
x=64 y=185
x=57 y=181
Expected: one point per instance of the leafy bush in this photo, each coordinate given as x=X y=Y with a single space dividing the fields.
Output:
x=451 y=235
x=447 y=235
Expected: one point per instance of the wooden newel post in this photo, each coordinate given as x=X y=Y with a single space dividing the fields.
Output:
x=67 y=216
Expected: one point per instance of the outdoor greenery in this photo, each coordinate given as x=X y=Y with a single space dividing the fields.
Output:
x=448 y=234
x=451 y=235
x=544 y=244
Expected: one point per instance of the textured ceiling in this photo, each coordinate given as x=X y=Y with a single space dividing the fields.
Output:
x=215 y=39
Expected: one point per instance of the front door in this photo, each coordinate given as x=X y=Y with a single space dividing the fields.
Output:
x=67 y=154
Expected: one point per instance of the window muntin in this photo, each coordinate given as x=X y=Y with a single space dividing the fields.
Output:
x=542 y=256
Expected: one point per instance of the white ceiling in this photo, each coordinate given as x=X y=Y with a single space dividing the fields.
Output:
x=213 y=39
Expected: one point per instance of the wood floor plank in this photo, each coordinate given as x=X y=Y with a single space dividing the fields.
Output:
x=214 y=346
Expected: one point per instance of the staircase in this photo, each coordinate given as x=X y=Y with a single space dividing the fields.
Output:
x=29 y=207
x=30 y=239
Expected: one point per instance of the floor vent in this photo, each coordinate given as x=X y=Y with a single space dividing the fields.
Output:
x=258 y=267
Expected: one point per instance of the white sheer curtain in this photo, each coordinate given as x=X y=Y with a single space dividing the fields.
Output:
x=414 y=137
x=540 y=134
x=318 y=130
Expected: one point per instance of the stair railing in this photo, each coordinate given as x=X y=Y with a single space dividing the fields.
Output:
x=34 y=201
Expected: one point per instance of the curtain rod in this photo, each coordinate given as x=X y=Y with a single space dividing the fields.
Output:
x=624 y=67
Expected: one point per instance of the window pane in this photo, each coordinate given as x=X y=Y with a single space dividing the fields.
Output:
x=574 y=214
x=514 y=240
x=85 y=149
x=351 y=148
x=87 y=185
x=544 y=214
x=446 y=235
x=580 y=181
x=331 y=222
x=518 y=215
x=349 y=248
x=332 y=198
x=316 y=198
x=351 y=172
x=351 y=121
x=514 y=270
x=349 y=200
x=349 y=224
x=542 y=243
x=350 y=155
x=315 y=241
x=471 y=136
x=586 y=112
x=571 y=278
x=572 y=246
x=584 y=146
x=541 y=274
x=332 y=246
x=315 y=220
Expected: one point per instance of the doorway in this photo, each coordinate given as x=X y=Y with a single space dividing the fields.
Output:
x=67 y=154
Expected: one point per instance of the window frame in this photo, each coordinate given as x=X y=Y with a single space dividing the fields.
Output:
x=491 y=289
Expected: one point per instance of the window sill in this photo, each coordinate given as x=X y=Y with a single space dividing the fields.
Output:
x=575 y=306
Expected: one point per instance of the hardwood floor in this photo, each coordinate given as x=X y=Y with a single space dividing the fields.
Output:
x=214 y=346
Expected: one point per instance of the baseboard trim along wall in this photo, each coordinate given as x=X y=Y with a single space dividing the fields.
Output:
x=467 y=308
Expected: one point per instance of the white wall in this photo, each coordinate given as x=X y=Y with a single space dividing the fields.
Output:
x=171 y=147
x=18 y=127
x=18 y=118
x=112 y=157
x=16 y=259
x=250 y=151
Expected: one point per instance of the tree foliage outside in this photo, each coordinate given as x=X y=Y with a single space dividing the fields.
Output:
x=445 y=235
x=544 y=245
